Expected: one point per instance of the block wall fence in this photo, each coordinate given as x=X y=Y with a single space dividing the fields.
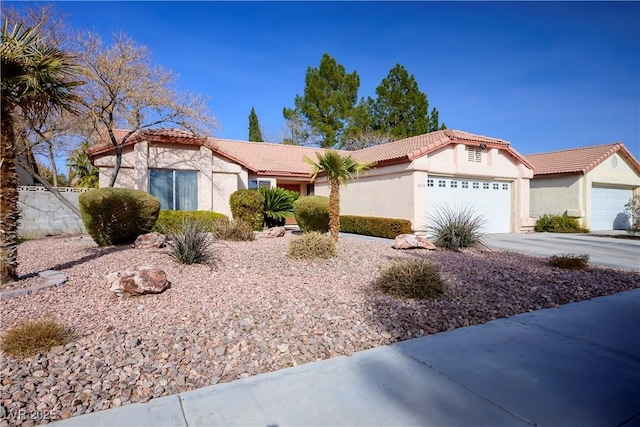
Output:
x=42 y=214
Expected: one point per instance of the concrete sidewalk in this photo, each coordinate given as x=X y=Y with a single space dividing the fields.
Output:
x=576 y=365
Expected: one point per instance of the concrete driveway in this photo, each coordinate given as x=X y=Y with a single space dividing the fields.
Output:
x=602 y=249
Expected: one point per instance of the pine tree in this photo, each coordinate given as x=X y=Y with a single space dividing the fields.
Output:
x=254 y=127
x=329 y=97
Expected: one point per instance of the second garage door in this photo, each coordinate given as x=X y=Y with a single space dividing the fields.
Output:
x=492 y=199
x=607 y=208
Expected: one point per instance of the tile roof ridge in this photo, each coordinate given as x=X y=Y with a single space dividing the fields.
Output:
x=276 y=144
x=616 y=144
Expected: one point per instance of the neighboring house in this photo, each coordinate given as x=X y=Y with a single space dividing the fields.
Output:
x=591 y=183
x=412 y=177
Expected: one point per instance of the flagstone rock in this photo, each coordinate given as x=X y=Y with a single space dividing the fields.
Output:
x=411 y=241
x=138 y=281
x=150 y=241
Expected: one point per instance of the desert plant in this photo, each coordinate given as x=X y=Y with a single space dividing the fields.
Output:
x=35 y=336
x=338 y=170
x=632 y=209
x=570 y=261
x=172 y=220
x=115 y=216
x=277 y=205
x=190 y=243
x=312 y=245
x=455 y=228
x=558 y=224
x=411 y=278
x=235 y=230
x=247 y=206
x=312 y=213
x=374 y=226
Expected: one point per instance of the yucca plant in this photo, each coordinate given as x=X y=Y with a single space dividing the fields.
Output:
x=455 y=228
x=277 y=205
x=189 y=243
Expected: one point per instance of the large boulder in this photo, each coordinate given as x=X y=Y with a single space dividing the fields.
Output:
x=150 y=241
x=273 y=232
x=138 y=281
x=411 y=241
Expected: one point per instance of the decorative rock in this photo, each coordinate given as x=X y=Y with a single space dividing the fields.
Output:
x=139 y=281
x=150 y=241
x=411 y=241
x=273 y=232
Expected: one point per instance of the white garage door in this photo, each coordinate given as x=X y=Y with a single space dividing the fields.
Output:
x=607 y=208
x=492 y=199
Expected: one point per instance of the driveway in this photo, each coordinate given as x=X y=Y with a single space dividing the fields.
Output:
x=602 y=249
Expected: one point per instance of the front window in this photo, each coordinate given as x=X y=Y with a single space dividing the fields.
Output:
x=176 y=189
x=254 y=184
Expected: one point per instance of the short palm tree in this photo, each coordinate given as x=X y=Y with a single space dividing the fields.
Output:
x=338 y=170
x=81 y=172
x=35 y=77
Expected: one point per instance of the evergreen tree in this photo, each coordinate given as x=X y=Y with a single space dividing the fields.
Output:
x=400 y=108
x=254 y=127
x=329 y=98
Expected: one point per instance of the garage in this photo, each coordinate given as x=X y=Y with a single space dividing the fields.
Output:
x=491 y=199
x=607 y=208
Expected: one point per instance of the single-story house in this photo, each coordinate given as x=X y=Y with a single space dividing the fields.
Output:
x=591 y=184
x=411 y=179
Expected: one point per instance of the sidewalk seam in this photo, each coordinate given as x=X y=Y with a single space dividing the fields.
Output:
x=184 y=416
x=481 y=396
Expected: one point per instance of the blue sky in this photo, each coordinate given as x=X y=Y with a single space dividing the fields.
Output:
x=543 y=75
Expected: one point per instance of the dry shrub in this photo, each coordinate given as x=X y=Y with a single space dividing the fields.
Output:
x=412 y=278
x=570 y=261
x=312 y=245
x=36 y=336
x=234 y=230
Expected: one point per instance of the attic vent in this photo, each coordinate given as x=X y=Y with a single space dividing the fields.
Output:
x=614 y=161
x=474 y=154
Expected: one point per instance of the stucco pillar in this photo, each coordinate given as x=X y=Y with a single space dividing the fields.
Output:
x=205 y=180
x=141 y=166
x=420 y=201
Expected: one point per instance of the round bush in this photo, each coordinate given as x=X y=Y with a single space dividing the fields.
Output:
x=172 y=220
x=412 y=278
x=312 y=213
x=312 y=245
x=247 y=205
x=116 y=216
x=558 y=224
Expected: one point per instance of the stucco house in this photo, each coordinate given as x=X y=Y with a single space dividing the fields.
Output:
x=591 y=184
x=411 y=178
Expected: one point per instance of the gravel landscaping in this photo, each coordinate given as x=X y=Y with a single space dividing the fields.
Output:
x=255 y=311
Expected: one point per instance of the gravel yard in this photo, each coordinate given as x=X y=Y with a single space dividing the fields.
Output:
x=256 y=311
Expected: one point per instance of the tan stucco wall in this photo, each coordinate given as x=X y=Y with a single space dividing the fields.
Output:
x=399 y=191
x=571 y=194
x=217 y=177
x=557 y=196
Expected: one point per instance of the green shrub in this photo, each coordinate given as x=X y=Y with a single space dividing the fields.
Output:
x=411 y=278
x=312 y=245
x=374 y=226
x=277 y=206
x=570 y=261
x=247 y=206
x=235 y=230
x=33 y=337
x=312 y=213
x=190 y=243
x=455 y=228
x=172 y=220
x=558 y=224
x=632 y=209
x=115 y=216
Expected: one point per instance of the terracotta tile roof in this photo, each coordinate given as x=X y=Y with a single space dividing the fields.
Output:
x=578 y=160
x=264 y=157
x=278 y=159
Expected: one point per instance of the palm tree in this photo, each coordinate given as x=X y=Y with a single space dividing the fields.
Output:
x=81 y=172
x=338 y=170
x=36 y=76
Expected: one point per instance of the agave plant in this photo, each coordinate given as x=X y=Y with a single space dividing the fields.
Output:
x=278 y=205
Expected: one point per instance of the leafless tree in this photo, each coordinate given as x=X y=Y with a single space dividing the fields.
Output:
x=366 y=139
x=126 y=90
